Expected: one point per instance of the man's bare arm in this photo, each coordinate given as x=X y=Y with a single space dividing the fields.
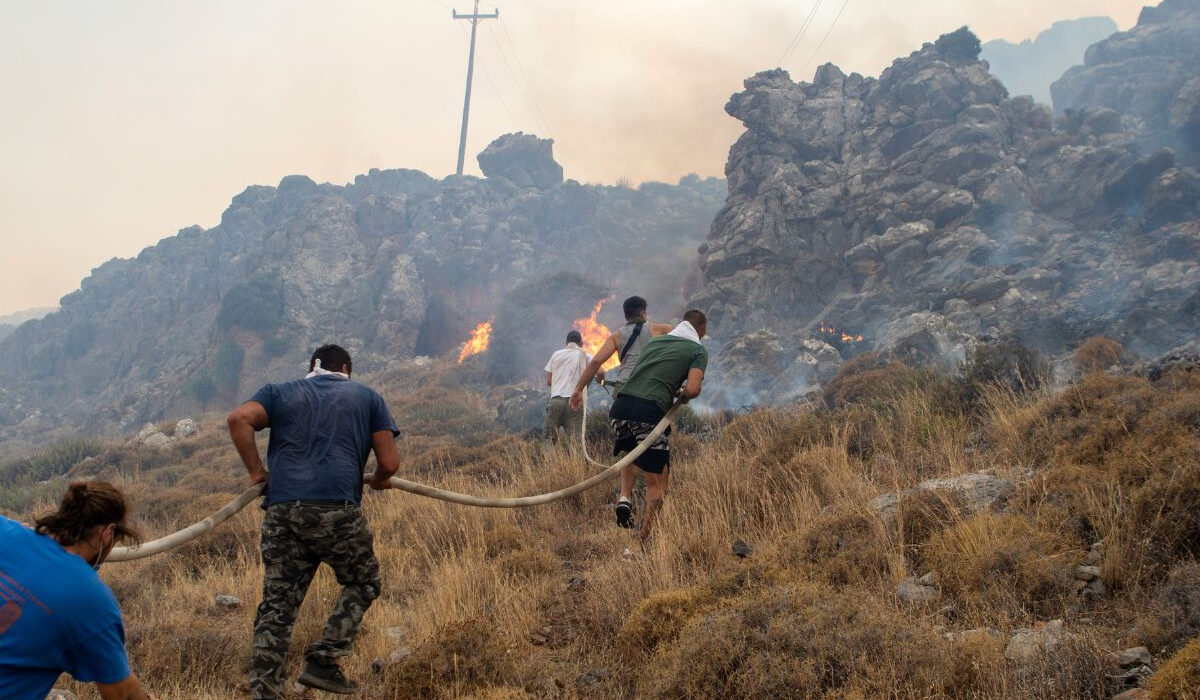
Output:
x=128 y=689
x=243 y=422
x=387 y=460
x=660 y=328
x=549 y=379
x=694 y=379
x=602 y=354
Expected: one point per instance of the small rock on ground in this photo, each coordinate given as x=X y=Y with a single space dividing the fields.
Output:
x=1029 y=645
x=593 y=676
x=916 y=593
x=741 y=549
x=1134 y=656
x=227 y=601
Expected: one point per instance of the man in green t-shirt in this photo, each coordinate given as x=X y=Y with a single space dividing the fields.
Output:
x=666 y=363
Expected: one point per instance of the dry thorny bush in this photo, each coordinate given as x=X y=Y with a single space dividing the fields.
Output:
x=543 y=602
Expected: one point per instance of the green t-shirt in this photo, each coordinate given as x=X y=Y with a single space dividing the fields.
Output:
x=662 y=367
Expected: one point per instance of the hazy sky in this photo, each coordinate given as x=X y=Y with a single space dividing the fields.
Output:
x=126 y=120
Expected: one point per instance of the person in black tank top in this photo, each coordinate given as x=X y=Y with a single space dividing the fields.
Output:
x=638 y=329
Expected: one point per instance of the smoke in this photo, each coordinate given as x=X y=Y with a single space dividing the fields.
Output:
x=1028 y=68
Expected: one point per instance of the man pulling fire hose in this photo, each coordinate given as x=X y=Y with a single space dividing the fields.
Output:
x=323 y=429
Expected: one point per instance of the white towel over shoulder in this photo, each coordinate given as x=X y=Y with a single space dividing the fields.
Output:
x=685 y=330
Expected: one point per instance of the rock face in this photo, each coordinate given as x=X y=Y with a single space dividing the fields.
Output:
x=926 y=208
x=522 y=159
x=1149 y=75
x=1029 y=67
x=394 y=265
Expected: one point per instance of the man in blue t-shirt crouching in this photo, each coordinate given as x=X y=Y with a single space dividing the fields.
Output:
x=56 y=614
x=323 y=428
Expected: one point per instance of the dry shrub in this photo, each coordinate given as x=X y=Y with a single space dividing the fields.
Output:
x=1097 y=354
x=1004 y=563
x=866 y=379
x=797 y=641
x=1088 y=419
x=1080 y=667
x=1179 y=677
x=841 y=548
x=659 y=617
x=920 y=516
x=1172 y=616
x=975 y=662
x=462 y=657
x=1126 y=468
x=528 y=563
x=190 y=653
x=444 y=411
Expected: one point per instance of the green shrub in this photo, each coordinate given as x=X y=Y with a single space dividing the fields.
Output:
x=1009 y=365
x=56 y=460
x=227 y=365
x=256 y=305
x=203 y=388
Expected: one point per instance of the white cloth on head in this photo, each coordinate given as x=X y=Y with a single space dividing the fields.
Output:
x=318 y=372
x=685 y=330
x=565 y=368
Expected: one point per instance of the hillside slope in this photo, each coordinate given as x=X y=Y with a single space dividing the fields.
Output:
x=393 y=265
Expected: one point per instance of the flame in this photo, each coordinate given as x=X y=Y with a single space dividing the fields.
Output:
x=595 y=333
x=478 y=341
x=846 y=337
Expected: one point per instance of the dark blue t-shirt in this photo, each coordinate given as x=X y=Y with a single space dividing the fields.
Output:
x=56 y=615
x=320 y=437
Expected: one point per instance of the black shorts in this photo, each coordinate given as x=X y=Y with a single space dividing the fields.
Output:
x=633 y=419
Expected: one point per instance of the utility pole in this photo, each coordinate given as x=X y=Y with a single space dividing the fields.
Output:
x=462 y=138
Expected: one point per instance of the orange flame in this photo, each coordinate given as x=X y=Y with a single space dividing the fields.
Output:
x=478 y=341
x=846 y=337
x=595 y=333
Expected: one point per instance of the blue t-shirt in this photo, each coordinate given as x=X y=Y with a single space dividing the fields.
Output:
x=320 y=437
x=56 y=615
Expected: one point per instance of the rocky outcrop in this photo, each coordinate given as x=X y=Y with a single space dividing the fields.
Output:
x=1149 y=75
x=393 y=265
x=1028 y=67
x=926 y=210
x=522 y=159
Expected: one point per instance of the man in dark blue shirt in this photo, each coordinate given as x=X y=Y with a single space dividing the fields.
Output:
x=323 y=428
x=56 y=614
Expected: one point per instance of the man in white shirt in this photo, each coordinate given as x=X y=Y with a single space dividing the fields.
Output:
x=562 y=372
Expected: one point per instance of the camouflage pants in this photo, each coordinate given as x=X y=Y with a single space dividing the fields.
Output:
x=296 y=538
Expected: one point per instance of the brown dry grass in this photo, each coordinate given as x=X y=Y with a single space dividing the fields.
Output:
x=500 y=603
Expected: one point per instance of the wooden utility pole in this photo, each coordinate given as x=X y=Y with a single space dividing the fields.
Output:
x=462 y=138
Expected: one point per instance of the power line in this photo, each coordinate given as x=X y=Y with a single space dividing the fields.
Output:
x=795 y=42
x=526 y=95
x=827 y=33
x=512 y=122
x=521 y=67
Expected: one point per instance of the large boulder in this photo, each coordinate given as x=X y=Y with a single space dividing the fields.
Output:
x=523 y=159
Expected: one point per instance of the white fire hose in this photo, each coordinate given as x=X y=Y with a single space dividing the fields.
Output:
x=175 y=539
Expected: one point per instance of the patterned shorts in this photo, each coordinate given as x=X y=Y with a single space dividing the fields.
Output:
x=631 y=433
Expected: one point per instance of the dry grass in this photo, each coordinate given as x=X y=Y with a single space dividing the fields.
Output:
x=500 y=604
